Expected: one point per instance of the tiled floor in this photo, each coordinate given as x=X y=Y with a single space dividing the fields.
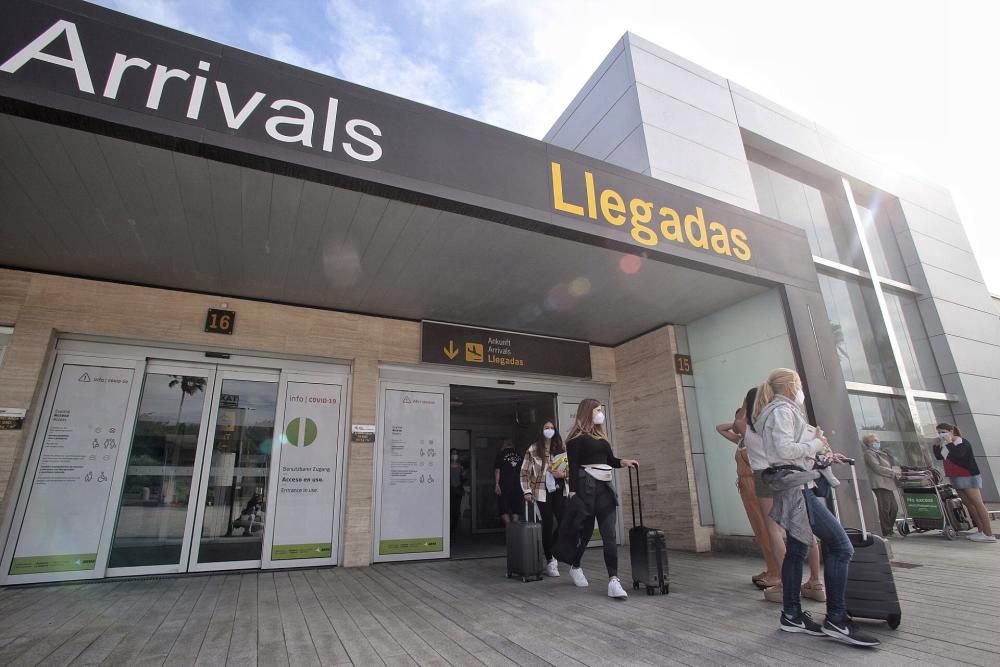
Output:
x=468 y=612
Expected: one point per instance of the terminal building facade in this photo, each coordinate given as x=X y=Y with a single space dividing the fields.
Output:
x=247 y=311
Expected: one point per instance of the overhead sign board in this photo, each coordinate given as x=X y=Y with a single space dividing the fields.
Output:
x=495 y=349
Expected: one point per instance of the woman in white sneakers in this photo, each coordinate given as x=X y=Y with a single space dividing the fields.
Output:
x=590 y=469
x=542 y=486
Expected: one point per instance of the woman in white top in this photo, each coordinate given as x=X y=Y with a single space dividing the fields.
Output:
x=790 y=442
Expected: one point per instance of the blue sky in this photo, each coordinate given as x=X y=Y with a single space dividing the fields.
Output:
x=912 y=82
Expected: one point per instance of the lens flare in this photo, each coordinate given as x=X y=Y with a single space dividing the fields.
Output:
x=579 y=287
x=630 y=264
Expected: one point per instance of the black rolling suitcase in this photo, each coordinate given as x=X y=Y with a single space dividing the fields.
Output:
x=524 y=548
x=648 y=550
x=871 y=588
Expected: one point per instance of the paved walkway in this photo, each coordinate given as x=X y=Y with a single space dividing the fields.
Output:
x=468 y=613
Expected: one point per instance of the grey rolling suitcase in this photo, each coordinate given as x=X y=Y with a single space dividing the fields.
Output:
x=871 y=588
x=648 y=550
x=524 y=548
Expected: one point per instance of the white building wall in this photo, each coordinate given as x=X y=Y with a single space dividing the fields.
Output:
x=651 y=111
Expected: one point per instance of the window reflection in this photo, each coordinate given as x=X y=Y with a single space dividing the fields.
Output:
x=859 y=333
x=157 y=487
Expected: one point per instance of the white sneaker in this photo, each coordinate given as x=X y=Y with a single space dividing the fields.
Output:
x=982 y=537
x=552 y=569
x=576 y=574
x=615 y=589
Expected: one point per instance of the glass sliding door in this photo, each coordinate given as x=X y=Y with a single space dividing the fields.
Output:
x=153 y=515
x=233 y=508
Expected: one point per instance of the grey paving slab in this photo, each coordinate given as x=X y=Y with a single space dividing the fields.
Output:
x=468 y=613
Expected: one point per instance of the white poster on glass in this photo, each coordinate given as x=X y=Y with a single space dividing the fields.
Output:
x=412 y=508
x=307 y=472
x=62 y=525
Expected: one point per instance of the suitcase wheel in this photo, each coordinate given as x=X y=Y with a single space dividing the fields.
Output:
x=893 y=621
x=904 y=529
x=950 y=532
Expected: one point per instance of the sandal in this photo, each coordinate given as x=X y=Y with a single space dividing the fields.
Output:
x=758 y=580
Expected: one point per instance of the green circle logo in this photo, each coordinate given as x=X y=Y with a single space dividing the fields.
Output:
x=301 y=431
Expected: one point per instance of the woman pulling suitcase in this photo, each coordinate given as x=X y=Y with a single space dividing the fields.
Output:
x=591 y=496
x=545 y=486
x=792 y=446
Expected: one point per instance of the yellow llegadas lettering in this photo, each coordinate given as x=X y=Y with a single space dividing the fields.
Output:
x=591 y=195
x=696 y=221
x=670 y=226
x=557 y=193
x=613 y=207
x=740 y=246
x=720 y=238
x=713 y=236
x=642 y=213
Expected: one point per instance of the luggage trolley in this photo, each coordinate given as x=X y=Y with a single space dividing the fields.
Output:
x=929 y=504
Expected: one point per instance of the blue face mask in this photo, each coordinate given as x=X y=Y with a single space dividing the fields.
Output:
x=876 y=445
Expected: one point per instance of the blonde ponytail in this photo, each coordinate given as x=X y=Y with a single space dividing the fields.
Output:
x=773 y=386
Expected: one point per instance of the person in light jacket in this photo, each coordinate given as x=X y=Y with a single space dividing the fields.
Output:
x=884 y=473
x=792 y=446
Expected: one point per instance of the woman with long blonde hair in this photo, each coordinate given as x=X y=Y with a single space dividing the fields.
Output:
x=791 y=446
x=590 y=472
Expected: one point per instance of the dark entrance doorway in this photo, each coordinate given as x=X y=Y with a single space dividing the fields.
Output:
x=481 y=420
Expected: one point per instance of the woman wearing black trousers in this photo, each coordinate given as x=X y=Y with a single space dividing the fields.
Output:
x=541 y=485
x=590 y=469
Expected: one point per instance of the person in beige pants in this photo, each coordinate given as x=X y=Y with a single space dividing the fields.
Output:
x=884 y=473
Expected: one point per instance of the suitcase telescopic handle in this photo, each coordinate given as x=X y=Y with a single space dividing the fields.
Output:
x=857 y=497
x=632 y=495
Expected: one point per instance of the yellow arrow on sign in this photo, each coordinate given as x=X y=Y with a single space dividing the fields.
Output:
x=451 y=351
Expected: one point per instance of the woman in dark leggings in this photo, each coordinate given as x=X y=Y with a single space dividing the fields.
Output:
x=590 y=469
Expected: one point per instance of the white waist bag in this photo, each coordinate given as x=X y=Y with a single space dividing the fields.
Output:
x=602 y=472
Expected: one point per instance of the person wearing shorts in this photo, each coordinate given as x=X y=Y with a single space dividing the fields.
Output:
x=963 y=473
x=507 y=473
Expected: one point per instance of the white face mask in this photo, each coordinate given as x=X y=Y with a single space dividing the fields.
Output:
x=943 y=435
x=800 y=397
x=598 y=418
x=548 y=433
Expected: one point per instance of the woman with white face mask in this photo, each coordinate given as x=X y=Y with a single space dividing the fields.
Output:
x=963 y=472
x=884 y=473
x=792 y=447
x=590 y=468
x=543 y=481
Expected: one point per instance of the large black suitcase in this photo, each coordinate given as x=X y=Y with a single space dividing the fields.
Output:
x=871 y=588
x=524 y=548
x=648 y=550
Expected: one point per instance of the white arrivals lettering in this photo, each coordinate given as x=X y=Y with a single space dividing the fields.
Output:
x=362 y=135
x=34 y=51
x=306 y=122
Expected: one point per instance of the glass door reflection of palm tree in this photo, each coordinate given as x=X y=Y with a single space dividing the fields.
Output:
x=189 y=386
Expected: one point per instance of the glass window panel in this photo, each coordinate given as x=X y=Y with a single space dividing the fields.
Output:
x=235 y=511
x=817 y=206
x=918 y=357
x=932 y=413
x=882 y=241
x=889 y=418
x=6 y=333
x=862 y=343
x=157 y=488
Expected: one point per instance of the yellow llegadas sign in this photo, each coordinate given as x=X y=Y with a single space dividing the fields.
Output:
x=638 y=212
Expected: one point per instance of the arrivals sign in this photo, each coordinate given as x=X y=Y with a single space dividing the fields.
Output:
x=495 y=349
x=69 y=495
x=413 y=468
x=304 y=520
